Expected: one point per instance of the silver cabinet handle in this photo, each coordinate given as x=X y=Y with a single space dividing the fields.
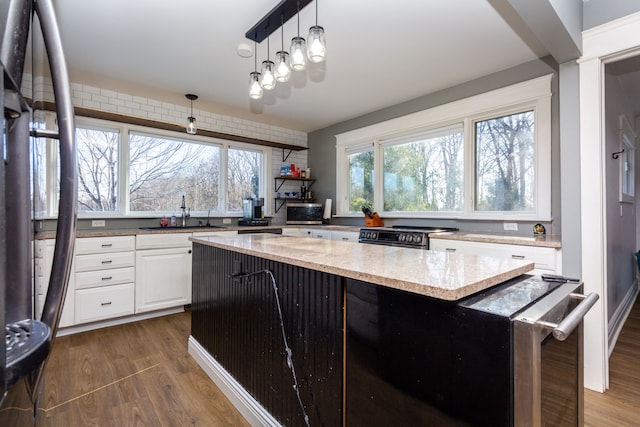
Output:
x=105 y=303
x=345 y=238
x=450 y=249
x=107 y=261
x=107 y=245
x=107 y=278
x=563 y=329
x=517 y=256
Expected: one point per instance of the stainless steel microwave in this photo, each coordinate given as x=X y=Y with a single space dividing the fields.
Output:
x=304 y=213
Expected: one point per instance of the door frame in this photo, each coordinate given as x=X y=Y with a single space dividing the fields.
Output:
x=600 y=45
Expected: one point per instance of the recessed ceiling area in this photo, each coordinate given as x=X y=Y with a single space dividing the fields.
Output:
x=379 y=53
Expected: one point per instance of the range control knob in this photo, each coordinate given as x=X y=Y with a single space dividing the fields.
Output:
x=374 y=235
x=417 y=238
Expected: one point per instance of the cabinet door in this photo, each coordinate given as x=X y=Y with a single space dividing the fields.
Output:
x=163 y=278
x=44 y=261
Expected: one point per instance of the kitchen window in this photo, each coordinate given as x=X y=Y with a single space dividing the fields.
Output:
x=128 y=170
x=162 y=169
x=483 y=157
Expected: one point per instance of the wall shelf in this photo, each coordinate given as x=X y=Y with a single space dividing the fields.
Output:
x=278 y=202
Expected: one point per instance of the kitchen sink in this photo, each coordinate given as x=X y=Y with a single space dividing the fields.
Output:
x=188 y=227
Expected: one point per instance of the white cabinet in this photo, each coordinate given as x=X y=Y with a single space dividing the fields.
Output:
x=344 y=236
x=163 y=271
x=43 y=264
x=104 y=278
x=546 y=259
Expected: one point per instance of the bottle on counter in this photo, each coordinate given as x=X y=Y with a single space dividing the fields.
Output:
x=173 y=222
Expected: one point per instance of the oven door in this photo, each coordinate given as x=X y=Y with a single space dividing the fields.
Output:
x=548 y=359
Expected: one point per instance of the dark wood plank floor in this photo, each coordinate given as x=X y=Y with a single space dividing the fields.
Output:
x=141 y=374
x=620 y=405
x=138 y=374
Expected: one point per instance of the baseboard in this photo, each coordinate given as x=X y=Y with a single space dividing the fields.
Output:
x=250 y=408
x=117 y=321
x=620 y=316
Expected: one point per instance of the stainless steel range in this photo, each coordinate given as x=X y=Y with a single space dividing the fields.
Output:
x=401 y=235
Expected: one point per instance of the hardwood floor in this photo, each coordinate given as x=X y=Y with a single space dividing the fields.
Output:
x=620 y=405
x=140 y=374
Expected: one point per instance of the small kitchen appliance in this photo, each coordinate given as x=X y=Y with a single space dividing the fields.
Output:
x=304 y=213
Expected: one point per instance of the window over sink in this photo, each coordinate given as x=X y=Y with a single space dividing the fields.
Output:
x=133 y=170
x=483 y=157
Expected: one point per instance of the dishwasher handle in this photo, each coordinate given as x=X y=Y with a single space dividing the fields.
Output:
x=563 y=329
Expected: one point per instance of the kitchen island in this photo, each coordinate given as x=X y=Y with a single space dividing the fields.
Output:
x=270 y=317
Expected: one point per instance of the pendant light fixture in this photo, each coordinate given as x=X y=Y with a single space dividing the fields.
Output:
x=283 y=71
x=297 y=58
x=268 y=79
x=255 y=90
x=192 y=127
x=316 y=43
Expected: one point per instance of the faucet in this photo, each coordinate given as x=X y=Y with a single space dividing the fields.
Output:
x=185 y=213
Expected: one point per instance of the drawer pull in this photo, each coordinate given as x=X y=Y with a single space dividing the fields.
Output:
x=105 y=303
x=108 y=261
x=450 y=249
x=345 y=238
x=107 y=278
x=517 y=256
x=107 y=245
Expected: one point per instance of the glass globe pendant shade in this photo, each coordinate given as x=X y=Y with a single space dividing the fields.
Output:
x=192 y=127
x=317 y=45
x=283 y=71
x=268 y=79
x=297 y=56
x=255 y=90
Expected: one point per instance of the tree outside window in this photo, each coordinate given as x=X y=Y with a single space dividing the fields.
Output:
x=161 y=170
x=505 y=160
x=97 y=169
x=361 y=175
x=244 y=168
x=424 y=175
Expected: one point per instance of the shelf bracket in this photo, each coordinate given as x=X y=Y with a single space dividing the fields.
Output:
x=284 y=159
x=277 y=208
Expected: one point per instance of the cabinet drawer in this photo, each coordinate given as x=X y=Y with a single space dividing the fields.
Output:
x=345 y=236
x=545 y=258
x=161 y=241
x=103 y=303
x=105 y=261
x=93 y=245
x=114 y=276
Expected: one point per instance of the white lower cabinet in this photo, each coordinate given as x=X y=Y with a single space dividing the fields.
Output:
x=104 y=302
x=104 y=278
x=547 y=260
x=163 y=276
x=344 y=236
x=43 y=264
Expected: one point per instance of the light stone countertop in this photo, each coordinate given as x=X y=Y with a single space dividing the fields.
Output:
x=442 y=275
x=544 y=240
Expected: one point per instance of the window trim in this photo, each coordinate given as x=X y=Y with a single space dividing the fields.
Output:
x=534 y=94
x=123 y=172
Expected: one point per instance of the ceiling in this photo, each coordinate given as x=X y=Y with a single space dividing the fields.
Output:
x=380 y=53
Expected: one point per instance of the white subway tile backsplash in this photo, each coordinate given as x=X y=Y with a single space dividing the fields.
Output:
x=101 y=99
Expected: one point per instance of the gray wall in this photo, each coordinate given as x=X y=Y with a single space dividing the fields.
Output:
x=621 y=219
x=569 y=94
x=322 y=152
x=597 y=12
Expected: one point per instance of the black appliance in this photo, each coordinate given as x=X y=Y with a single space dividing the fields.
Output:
x=24 y=352
x=508 y=356
x=407 y=236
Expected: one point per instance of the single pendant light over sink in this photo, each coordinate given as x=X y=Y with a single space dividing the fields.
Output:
x=316 y=44
x=192 y=127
